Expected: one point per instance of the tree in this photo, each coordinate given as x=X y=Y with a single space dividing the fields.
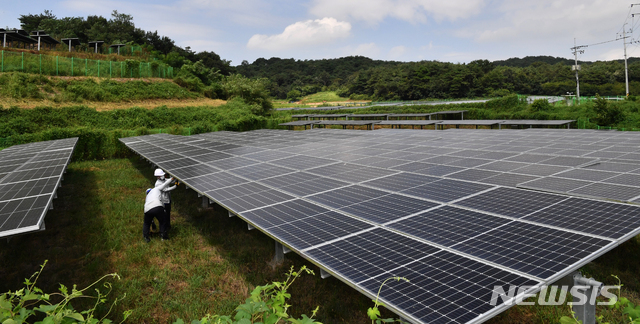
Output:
x=162 y=44
x=607 y=114
x=252 y=91
x=32 y=22
x=121 y=25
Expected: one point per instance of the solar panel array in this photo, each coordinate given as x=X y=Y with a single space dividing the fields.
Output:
x=29 y=177
x=447 y=210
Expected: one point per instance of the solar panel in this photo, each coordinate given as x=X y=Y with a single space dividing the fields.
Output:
x=448 y=225
x=609 y=191
x=510 y=202
x=554 y=184
x=446 y=190
x=587 y=216
x=438 y=208
x=30 y=175
x=533 y=249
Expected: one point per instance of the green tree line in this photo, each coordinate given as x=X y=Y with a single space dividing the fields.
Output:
x=120 y=29
x=363 y=78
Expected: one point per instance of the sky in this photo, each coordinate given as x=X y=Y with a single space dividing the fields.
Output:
x=457 y=31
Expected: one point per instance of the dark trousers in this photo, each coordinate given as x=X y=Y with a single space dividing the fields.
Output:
x=160 y=215
x=167 y=211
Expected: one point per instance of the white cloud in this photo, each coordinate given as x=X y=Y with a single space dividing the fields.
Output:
x=548 y=20
x=397 y=52
x=303 y=33
x=374 y=11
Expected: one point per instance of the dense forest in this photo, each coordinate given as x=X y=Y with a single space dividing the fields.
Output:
x=355 y=77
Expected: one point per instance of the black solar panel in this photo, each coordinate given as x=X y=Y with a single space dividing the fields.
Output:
x=511 y=202
x=533 y=249
x=347 y=196
x=400 y=181
x=284 y=213
x=446 y=190
x=554 y=184
x=403 y=187
x=29 y=177
x=310 y=231
x=587 y=216
x=448 y=225
x=387 y=208
x=370 y=254
x=608 y=191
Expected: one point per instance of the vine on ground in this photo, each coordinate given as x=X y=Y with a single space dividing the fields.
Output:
x=18 y=306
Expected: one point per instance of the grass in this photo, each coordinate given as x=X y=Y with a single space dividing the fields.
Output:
x=209 y=265
x=316 y=99
x=329 y=96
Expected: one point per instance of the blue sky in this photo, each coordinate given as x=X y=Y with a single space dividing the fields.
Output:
x=403 y=30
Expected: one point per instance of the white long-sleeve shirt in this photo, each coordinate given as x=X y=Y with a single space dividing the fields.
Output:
x=154 y=197
x=166 y=192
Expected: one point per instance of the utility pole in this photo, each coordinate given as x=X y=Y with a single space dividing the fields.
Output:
x=624 y=41
x=626 y=70
x=577 y=50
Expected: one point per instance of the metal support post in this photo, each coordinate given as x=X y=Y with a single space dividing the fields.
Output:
x=205 y=202
x=231 y=214
x=591 y=289
x=278 y=258
x=324 y=274
x=582 y=288
x=249 y=227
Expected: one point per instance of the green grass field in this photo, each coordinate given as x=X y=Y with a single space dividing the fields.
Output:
x=211 y=262
x=323 y=96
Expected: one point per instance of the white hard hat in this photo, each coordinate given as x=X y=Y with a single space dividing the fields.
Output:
x=158 y=173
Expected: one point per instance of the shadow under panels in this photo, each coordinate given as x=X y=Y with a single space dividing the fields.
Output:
x=443 y=287
x=301 y=224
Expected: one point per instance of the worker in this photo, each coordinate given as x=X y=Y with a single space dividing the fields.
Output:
x=166 y=195
x=154 y=208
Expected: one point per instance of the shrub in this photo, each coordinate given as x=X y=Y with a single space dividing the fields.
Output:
x=606 y=113
x=505 y=103
x=540 y=105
